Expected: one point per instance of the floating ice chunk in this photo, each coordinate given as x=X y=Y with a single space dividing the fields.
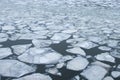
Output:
x=76 y=50
x=3 y=37
x=20 y=2
x=75 y=42
x=32 y=36
x=77 y=77
x=49 y=65
x=20 y=49
x=8 y=27
x=14 y=36
x=114 y=36
x=1 y=23
x=42 y=32
x=65 y=58
x=20 y=25
x=52 y=32
x=56 y=42
x=115 y=74
x=86 y=45
x=14 y=68
x=53 y=71
x=105 y=57
x=71 y=41
x=4 y=52
x=118 y=66
x=1 y=45
x=94 y=73
x=95 y=39
x=70 y=31
x=112 y=43
x=60 y=36
x=60 y=65
x=101 y=64
x=53 y=27
x=41 y=43
x=104 y=48
x=49 y=58
x=36 y=51
x=36 y=28
x=77 y=64
x=88 y=56
x=108 y=78
x=115 y=53
x=35 y=76
x=40 y=56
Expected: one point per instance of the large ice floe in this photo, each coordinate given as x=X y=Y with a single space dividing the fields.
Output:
x=14 y=68
x=4 y=52
x=77 y=64
x=40 y=56
x=20 y=49
x=94 y=73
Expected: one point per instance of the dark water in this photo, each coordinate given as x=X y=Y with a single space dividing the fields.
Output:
x=10 y=43
x=61 y=48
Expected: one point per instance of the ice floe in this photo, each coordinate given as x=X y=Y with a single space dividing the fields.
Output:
x=60 y=65
x=85 y=44
x=53 y=71
x=115 y=53
x=20 y=49
x=40 y=56
x=35 y=76
x=60 y=36
x=77 y=64
x=115 y=74
x=14 y=68
x=104 y=48
x=77 y=77
x=76 y=50
x=41 y=43
x=8 y=27
x=108 y=78
x=105 y=57
x=4 y=52
x=94 y=73
x=3 y=37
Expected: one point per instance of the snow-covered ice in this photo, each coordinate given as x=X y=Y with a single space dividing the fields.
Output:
x=94 y=73
x=35 y=76
x=4 y=52
x=14 y=68
x=77 y=64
